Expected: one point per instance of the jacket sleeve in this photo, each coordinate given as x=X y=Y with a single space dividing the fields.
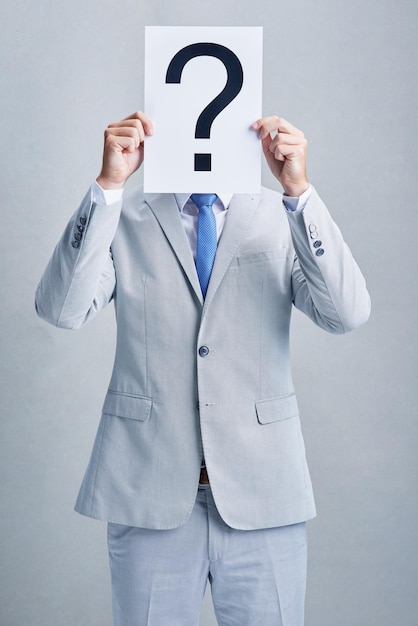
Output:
x=327 y=283
x=79 y=279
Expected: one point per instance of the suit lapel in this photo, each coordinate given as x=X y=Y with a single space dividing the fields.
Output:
x=240 y=213
x=165 y=209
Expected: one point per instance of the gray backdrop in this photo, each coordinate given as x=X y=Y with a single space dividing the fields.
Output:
x=344 y=72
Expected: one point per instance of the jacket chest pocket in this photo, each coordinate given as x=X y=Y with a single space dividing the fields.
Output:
x=260 y=257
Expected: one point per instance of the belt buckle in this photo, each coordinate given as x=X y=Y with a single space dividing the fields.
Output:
x=204 y=478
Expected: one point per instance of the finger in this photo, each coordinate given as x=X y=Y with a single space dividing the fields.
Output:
x=282 y=146
x=267 y=125
x=126 y=131
x=137 y=120
x=119 y=144
x=286 y=139
x=276 y=123
x=144 y=119
x=126 y=124
x=265 y=142
x=286 y=151
x=278 y=154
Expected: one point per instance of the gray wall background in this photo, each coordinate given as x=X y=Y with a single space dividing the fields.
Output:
x=344 y=72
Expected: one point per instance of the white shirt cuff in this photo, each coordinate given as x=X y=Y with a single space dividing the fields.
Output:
x=298 y=203
x=105 y=196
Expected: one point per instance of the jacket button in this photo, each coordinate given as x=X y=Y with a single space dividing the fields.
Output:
x=75 y=244
x=83 y=220
x=317 y=243
x=320 y=252
x=203 y=351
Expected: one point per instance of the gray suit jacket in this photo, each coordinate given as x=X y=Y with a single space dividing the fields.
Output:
x=193 y=376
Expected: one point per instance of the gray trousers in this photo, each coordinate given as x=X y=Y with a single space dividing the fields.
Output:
x=257 y=577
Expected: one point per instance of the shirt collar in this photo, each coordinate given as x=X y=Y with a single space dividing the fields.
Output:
x=224 y=198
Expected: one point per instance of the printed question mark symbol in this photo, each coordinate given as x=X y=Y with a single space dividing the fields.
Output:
x=235 y=77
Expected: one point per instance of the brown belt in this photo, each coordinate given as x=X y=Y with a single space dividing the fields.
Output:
x=204 y=478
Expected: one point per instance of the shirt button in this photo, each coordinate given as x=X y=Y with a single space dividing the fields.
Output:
x=203 y=351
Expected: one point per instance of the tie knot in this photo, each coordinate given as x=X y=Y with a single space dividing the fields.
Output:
x=203 y=199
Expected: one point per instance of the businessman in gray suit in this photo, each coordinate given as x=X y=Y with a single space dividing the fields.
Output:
x=199 y=464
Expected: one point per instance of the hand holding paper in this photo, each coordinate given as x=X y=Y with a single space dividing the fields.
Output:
x=123 y=149
x=285 y=153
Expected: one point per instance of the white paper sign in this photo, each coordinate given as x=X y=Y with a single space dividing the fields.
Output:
x=203 y=89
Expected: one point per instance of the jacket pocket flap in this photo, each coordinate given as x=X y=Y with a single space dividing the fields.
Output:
x=126 y=405
x=276 y=409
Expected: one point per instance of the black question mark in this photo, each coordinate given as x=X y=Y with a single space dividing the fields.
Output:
x=235 y=78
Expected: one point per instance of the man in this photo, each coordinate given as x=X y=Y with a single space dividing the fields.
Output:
x=199 y=464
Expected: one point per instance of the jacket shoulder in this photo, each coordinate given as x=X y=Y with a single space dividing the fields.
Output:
x=271 y=195
x=134 y=195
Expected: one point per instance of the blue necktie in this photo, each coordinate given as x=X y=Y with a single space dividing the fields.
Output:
x=206 y=237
